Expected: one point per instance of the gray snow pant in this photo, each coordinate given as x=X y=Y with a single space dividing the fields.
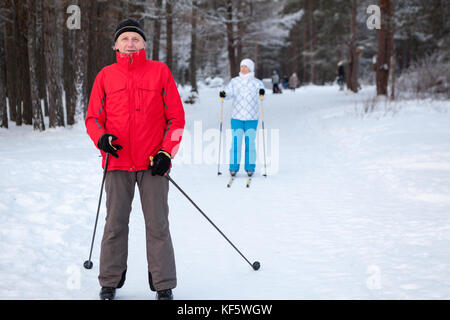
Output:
x=153 y=190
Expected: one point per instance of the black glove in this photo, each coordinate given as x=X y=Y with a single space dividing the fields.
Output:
x=104 y=144
x=222 y=94
x=262 y=92
x=161 y=163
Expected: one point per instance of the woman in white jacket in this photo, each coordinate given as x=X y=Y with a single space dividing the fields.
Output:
x=245 y=91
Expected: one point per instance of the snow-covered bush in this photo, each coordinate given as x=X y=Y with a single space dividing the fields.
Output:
x=215 y=82
x=192 y=98
x=427 y=78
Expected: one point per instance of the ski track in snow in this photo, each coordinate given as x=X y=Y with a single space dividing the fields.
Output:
x=358 y=208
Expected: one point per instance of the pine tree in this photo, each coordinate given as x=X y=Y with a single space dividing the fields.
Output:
x=192 y=61
x=384 y=48
x=157 y=30
x=12 y=72
x=353 y=64
x=80 y=61
x=56 y=116
x=24 y=69
x=229 y=22
x=40 y=59
x=69 y=69
x=38 y=119
x=169 y=33
x=3 y=108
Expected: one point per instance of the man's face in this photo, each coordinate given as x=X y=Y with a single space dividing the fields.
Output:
x=129 y=42
x=244 y=69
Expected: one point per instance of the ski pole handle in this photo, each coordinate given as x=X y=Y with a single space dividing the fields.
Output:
x=221 y=112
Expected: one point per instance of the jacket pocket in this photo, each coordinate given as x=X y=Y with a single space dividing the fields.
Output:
x=117 y=103
x=115 y=88
x=150 y=100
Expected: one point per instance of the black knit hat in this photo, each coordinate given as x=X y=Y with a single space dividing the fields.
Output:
x=129 y=25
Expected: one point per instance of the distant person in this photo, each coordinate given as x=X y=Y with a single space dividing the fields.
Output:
x=275 y=82
x=245 y=90
x=293 y=81
x=285 y=82
x=341 y=75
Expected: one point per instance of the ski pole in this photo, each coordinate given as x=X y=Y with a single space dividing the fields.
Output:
x=220 y=138
x=88 y=263
x=264 y=139
x=256 y=265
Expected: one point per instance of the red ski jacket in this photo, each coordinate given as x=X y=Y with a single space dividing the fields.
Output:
x=136 y=100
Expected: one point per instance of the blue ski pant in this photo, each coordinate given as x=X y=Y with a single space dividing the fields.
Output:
x=242 y=129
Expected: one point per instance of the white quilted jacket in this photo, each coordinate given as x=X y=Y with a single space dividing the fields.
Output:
x=245 y=95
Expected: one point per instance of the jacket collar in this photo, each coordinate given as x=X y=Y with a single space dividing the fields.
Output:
x=132 y=60
x=246 y=76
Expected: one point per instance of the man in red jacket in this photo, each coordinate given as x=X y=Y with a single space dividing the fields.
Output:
x=136 y=104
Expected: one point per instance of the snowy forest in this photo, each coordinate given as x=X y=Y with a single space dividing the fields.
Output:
x=348 y=192
x=49 y=59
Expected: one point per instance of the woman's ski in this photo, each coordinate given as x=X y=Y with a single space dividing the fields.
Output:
x=230 y=182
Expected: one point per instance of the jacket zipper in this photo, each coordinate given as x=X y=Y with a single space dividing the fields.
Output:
x=131 y=122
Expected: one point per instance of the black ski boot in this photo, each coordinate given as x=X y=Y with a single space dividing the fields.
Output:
x=233 y=173
x=250 y=173
x=107 y=293
x=164 y=294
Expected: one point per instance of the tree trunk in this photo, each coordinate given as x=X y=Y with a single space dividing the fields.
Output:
x=19 y=84
x=80 y=62
x=68 y=71
x=157 y=31
x=394 y=63
x=3 y=109
x=255 y=56
x=384 y=48
x=24 y=68
x=169 y=31
x=296 y=49
x=304 y=58
x=92 y=47
x=40 y=59
x=38 y=119
x=56 y=115
x=12 y=72
x=108 y=19
x=241 y=29
x=230 y=37
x=394 y=55
x=136 y=8
x=311 y=40
x=192 y=62
x=353 y=55
x=103 y=18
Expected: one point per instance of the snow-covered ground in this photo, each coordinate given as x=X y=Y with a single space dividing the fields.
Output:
x=355 y=205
